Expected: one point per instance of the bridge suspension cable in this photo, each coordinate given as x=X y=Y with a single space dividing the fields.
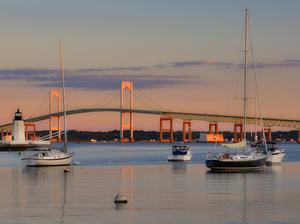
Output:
x=110 y=97
x=150 y=102
x=41 y=108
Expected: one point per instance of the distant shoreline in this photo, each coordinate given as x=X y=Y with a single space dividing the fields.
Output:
x=153 y=136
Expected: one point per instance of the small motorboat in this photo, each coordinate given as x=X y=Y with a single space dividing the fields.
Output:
x=180 y=153
x=275 y=153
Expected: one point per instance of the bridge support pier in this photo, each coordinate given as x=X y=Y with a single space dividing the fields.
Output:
x=214 y=135
x=6 y=135
x=238 y=138
x=213 y=128
x=163 y=130
x=268 y=133
x=30 y=134
x=126 y=85
x=54 y=121
x=187 y=131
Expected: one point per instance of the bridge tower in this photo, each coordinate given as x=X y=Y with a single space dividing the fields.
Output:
x=125 y=124
x=168 y=130
x=268 y=133
x=54 y=121
x=213 y=128
x=30 y=131
x=187 y=131
x=241 y=134
x=6 y=134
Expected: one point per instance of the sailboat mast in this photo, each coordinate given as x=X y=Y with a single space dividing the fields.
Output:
x=63 y=90
x=245 y=74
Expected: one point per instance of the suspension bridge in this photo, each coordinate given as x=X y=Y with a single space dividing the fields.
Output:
x=166 y=118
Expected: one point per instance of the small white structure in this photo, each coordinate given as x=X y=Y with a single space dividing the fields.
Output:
x=18 y=130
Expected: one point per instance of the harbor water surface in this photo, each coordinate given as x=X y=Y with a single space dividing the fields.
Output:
x=157 y=191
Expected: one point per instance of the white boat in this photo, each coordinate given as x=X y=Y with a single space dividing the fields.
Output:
x=180 y=153
x=275 y=157
x=274 y=152
x=52 y=157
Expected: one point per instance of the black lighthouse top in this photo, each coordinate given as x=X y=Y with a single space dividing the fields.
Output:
x=18 y=115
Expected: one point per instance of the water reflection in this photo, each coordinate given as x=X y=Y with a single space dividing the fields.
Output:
x=126 y=186
x=47 y=183
x=180 y=167
x=238 y=191
x=173 y=193
x=65 y=181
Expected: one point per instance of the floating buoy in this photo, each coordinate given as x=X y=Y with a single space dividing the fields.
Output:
x=67 y=170
x=120 y=199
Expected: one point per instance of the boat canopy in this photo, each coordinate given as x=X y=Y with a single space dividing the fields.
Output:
x=180 y=150
x=239 y=145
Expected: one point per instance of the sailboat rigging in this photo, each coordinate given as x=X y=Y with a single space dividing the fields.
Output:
x=65 y=149
x=52 y=157
x=241 y=161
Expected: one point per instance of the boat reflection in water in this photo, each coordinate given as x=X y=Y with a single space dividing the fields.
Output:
x=239 y=191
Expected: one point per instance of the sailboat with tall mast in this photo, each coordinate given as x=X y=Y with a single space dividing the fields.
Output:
x=239 y=161
x=52 y=157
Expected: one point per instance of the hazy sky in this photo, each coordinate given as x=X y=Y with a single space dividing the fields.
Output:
x=183 y=55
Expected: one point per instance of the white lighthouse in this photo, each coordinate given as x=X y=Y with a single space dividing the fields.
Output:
x=18 y=130
x=17 y=141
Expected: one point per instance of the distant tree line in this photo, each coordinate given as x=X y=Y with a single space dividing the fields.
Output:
x=140 y=135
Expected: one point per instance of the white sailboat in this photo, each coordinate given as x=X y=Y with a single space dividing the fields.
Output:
x=52 y=157
x=238 y=161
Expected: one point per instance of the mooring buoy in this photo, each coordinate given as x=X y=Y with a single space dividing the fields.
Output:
x=120 y=199
x=67 y=170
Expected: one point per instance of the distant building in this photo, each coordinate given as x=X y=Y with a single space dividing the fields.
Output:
x=207 y=137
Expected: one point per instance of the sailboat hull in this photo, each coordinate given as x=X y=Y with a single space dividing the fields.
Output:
x=236 y=165
x=48 y=162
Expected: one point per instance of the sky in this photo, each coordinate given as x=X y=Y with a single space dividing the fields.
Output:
x=181 y=56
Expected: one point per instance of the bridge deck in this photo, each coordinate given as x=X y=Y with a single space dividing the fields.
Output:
x=268 y=122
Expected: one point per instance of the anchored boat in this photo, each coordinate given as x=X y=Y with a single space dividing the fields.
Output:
x=52 y=157
x=275 y=153
x=235 y=162
x=180 y=153
x=249 y=159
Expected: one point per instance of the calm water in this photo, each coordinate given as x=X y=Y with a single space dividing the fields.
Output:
x=158 y=191
x=116 y=154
